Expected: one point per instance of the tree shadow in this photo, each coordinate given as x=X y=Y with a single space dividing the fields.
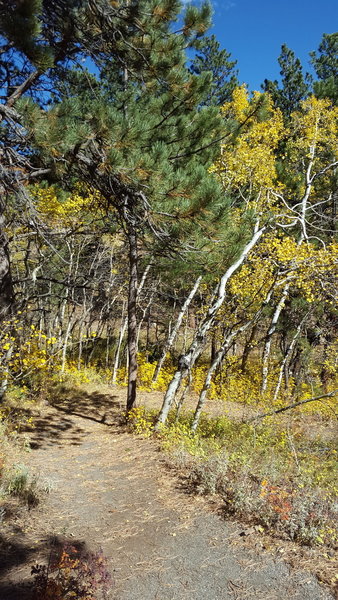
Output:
x=59 y=430
x=18 y=556
x=94 y=406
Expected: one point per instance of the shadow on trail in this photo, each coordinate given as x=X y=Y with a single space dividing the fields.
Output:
x=94 y=406
x=14 y=554
x=55 y=429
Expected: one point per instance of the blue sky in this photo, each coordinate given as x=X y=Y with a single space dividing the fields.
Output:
x=253 y=31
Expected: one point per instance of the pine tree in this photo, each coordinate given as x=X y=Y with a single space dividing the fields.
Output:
x=295 y=87
x=138 y=137
x=326 y=66
x=210 y=58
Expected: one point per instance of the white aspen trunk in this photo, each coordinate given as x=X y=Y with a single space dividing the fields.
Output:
x=185 y=337
x=286 y=358
x=65 y=345
x=183 y=397
x=143 y=279
x=219 y=356
x=306 y=196
x=4 y=379
x=215 y=363
x=268 y=339
x=172 y=335
x=187 y=361
x=119 y=344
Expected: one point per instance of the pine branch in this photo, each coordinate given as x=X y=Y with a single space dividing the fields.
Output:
x=21 y=89
x=219 y=139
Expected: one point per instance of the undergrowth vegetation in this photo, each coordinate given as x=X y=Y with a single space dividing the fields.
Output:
x=16 y=481
x=72 y=573
x=230 y=383
x=273 y=474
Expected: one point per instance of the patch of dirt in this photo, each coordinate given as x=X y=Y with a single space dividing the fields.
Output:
x=112 y=490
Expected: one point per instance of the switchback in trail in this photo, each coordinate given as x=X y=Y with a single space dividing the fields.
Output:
x=112 y=490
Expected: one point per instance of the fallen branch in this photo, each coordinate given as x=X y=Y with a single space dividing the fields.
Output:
x=280 y=410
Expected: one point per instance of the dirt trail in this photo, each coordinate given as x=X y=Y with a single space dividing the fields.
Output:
x=111 y=490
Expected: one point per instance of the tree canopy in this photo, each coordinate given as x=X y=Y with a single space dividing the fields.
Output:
x=140 y=184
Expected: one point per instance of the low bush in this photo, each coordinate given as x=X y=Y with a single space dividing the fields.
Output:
x=72 y=574
x=19 y=483
x=15 y=479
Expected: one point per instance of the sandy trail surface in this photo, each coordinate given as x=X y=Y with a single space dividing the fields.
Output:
x=112 y=490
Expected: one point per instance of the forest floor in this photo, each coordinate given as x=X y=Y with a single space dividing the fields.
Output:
x=114 y=490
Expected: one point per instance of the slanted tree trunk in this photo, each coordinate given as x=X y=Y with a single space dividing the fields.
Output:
x=187 y=361
x=228 y=341
x=172 y=336
x=221 y=352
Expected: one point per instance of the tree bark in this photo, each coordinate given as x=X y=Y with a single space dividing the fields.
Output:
x=285 y=363
x=228 y=341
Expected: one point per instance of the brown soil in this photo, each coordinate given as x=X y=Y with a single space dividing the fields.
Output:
x=112 y=490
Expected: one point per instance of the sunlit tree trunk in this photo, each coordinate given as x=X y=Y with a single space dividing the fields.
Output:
x=172 y=336
x=268 y=338
x=188 y=360
x=285 y=362
x=219 y=356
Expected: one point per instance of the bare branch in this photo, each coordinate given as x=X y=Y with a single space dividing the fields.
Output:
x=285 y=408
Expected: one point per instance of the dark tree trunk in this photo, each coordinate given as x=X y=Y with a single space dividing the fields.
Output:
x=248 y=347
x=6 y=286
x=213 y=347
x=132 y=318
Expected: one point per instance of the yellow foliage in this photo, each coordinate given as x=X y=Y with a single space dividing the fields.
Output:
x=58 y=212
x=315 y=128
x=25 y=352
x=251 y=160
x=307 y=266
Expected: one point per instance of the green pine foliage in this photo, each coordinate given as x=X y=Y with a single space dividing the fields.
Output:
x=325 y=63
x=21 y=23
x=142 y=128
x=211 y=58
x=295 y=86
